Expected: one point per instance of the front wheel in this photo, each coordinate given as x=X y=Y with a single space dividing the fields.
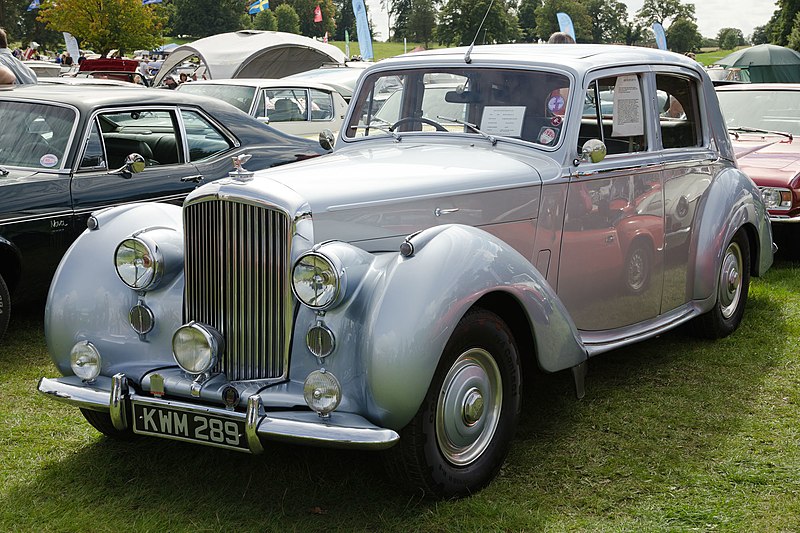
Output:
x=102 y=423
x=732 y=285
x=5 y=306
x=461 y=434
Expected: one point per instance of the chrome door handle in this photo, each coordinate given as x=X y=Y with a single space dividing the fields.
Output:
x=197 y=178
x=439 y=211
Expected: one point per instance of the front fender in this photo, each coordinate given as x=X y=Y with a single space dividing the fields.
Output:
x=88 y=301
x=418 y=301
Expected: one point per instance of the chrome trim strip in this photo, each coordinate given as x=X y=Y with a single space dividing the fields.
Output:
x=83 y=396
x=117 y=403
x=32 y=218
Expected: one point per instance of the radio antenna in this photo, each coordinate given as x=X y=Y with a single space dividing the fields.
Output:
x=467 y=58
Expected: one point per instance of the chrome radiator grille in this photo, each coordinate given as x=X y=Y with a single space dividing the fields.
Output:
x=237 y=280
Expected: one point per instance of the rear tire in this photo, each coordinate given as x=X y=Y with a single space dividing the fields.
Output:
x=733 y=283
x=5 y=306
x=459 y=438
x=102 y=423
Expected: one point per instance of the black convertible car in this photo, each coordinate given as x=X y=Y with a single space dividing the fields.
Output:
x=63 y=152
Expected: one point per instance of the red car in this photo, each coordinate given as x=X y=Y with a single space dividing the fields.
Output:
x=763 y=119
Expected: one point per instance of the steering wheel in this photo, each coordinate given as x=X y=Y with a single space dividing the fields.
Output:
x=423 y=120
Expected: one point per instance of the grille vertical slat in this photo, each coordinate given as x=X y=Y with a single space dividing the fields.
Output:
x=236 y=281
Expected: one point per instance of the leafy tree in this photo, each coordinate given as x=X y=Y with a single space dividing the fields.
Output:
x=265 y=21
x=459 y=21
x=527 y=20
x=105 y=24
x=794 y=37
x=782 y=22
x=759 y=35
x=609 y=18
x=401 y=12
x=422 y=23
x=305 y=12
x=662 y=11
x=288 y=20
x=682 y=36
x=547 y=22
x=201 y=18
x=634 y=33
x=730 y=38
x=345 y=19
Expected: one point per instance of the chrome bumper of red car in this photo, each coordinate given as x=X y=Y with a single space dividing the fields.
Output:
x=214 y=426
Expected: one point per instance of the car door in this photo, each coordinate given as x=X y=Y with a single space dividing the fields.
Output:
x=113 y=134
x=610 y=270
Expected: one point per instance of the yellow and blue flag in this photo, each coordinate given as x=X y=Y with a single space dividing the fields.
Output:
x=33 y=5
x=148 y=2
x=258 y=6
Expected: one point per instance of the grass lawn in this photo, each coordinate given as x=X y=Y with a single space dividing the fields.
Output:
x=675 y=434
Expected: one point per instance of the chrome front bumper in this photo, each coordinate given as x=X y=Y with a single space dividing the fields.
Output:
x=341 y=430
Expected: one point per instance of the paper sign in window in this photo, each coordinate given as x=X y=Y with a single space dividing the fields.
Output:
x=628 y=114
x=505 y=120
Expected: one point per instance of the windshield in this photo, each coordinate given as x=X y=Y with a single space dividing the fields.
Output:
x=34 y=135
x=765 y=110
x=526 y=105
x=237 y=95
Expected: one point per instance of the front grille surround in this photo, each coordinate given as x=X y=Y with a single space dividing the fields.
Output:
x=237 y=274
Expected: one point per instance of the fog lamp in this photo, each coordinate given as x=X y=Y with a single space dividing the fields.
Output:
x=85 y=361
x=322 y=392
x=196 y=347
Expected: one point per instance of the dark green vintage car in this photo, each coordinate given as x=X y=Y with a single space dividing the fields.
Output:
x=63 y=152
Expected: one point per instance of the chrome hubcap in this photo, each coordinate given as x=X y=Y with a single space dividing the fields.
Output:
x=730 y=282
x=468 y=407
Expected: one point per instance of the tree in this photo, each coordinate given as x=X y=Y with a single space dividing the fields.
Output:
x=459 y=21
x=547 y=22
x=105 y=24
x=730 y=38
x=634 y=33
x=526 y=16
x=400 y=11
x=794 y=37
x=266 y=21
x=662 y=11
x=305 y=12
x=345 y=19
x=288 y=20
x=422 y=23
x=682 y=36
x=759 y=35
x=609 y=18
x=201 y=18
x=782 y=22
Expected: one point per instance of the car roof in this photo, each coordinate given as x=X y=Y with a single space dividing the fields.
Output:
x=265 y=82
x=760 y=87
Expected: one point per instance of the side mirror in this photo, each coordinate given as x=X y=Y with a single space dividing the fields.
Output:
x=326 y=139
x=134 y=164
x=593 y=151
x=265 y=120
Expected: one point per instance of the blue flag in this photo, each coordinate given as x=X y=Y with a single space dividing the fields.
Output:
x=661 y=38
x=362 y=28
x=34 y=5
x=258 y=6
x=565 y=25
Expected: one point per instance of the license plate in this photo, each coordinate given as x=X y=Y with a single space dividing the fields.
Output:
x=186 y=425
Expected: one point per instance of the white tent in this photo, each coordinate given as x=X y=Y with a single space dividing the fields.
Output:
x=253 y=54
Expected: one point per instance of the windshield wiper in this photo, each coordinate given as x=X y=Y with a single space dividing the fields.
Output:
x=4 y=171
x=471 y=126
x=734 y=129
x=380 y=125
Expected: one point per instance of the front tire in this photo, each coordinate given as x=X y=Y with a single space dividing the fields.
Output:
x=5 y=306
x=102 y=423
x=732 y=285
x=460 y=436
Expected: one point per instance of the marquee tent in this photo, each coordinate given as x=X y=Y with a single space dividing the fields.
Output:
x=766 y=63
x=253 y=54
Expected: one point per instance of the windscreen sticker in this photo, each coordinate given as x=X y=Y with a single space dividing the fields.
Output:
x=556 y=103
x=556 y=120
x=547 y=135
x=503 y=120
x=48 y=160
x=628 y=116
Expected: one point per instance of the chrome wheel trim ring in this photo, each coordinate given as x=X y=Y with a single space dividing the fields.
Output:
x=730 y=280
x=636 y=270
x=468 y=408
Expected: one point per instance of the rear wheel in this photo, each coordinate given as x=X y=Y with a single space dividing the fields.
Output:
x=102 y=423
x=733 y=283
x=5 y=306
x=461 y=434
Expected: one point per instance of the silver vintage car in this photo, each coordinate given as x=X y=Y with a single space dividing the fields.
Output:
x=494 y=212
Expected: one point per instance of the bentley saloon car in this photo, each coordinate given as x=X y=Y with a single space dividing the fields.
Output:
x=763 y=119
x=389 y=295
x=63 y=154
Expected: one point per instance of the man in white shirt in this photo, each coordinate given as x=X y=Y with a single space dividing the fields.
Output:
x=22 y=72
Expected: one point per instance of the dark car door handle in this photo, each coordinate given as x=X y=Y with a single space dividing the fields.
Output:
x=197 y=178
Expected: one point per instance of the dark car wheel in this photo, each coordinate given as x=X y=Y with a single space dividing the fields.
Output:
x=637 y=267
x=5 y=306
x=102 y=423
x=733 y=284
x=461 y=434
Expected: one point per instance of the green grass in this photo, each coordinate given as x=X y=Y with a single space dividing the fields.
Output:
x=675 y=434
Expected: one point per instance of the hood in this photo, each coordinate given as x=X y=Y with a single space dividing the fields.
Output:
x=770 y=164
x=359 y=194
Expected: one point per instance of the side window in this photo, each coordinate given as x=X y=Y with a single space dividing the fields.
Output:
x=203 y=138
x=151 y=134
x=93 y=154
x=613 y=111
x=286 y=105
x=679 y=115
x=321 y=105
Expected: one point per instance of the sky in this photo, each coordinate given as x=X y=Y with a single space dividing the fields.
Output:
x=712 y=15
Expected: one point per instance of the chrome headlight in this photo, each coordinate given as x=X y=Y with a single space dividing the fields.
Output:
x=196 y=347
x=318 y=280
x=322 y=392
x=139 y=263
x=776 y=198
x=85 y=360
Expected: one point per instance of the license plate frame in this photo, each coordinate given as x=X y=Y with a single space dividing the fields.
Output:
x=190 y=424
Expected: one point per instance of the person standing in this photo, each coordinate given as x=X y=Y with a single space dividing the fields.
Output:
x=21 y=71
